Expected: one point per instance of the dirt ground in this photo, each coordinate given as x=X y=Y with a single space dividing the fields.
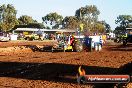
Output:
x=22 y=65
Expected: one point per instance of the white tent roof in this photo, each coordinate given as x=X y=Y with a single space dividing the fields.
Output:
x=44 y=30
x=129 y=28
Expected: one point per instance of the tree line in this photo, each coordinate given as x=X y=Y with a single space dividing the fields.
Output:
x=123 y=22
x=87 y=15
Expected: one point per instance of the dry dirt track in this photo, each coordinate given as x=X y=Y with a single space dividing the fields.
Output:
x=20 y=67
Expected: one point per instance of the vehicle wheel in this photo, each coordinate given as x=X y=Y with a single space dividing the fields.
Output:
x=118 y=40
x=27 y=38
x=124 y=42
x=78 y=46
x=64 y=49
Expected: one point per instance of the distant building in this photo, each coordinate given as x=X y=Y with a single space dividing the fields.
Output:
x=35 y=30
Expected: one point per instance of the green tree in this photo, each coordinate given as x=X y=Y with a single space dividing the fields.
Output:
x=7 y=17
x=88 y=15
x=36 y=25
x=26 y=20
x=119 y=30
x=123 y=20
x=70 y=22
x=53 y=18
x=106 y=26
x=99 y=28
x=30 y=25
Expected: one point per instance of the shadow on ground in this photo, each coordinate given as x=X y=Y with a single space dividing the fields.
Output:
x=128 y=47
x=34 y=48
x=46 y=48
x=57 y=72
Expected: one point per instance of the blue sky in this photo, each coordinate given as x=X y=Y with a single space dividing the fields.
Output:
x=109 y=9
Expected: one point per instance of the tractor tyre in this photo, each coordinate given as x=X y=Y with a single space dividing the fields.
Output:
x=118 y=40
x=78 y=47
x=124 y=42
x=27 y=38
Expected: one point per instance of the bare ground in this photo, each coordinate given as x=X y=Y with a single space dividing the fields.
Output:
x=23 y=66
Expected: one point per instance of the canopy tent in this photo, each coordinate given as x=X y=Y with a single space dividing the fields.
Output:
x=44 y=30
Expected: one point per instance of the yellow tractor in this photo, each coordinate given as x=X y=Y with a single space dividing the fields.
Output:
x=63 y=45
x=33 y=37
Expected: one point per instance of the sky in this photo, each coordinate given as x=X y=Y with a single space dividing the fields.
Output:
x=109 y=9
